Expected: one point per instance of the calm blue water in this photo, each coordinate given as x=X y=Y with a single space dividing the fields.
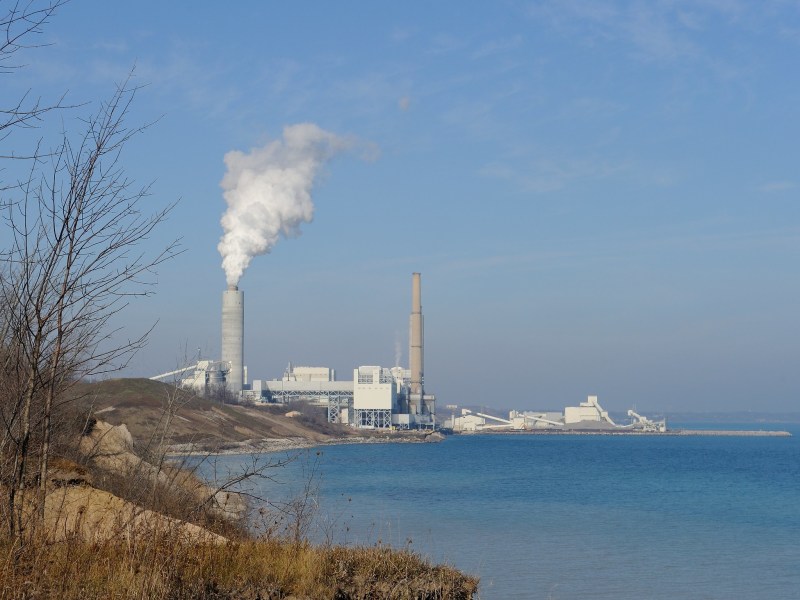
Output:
x=575 y=516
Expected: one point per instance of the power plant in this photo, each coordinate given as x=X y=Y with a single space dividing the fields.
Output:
x=377 y=397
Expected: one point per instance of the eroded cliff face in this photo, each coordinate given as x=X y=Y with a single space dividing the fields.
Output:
x=76 y=508
x=110 y=449
x=92 y=515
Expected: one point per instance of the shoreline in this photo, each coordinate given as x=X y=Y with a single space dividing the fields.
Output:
x=288 y=444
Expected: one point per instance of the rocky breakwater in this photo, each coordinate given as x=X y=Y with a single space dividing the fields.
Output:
x=731 y=432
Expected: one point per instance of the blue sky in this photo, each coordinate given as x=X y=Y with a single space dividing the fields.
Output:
x=602 y=197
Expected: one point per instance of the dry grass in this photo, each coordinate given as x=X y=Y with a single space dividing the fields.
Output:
x=163 y=567
x=98 y=545
x=122 y=523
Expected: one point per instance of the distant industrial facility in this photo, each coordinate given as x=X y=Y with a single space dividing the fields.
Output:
x=377 y=397
x=587 y=416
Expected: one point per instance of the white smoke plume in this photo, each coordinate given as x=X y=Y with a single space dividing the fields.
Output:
x=398 y=349
x=268 y=193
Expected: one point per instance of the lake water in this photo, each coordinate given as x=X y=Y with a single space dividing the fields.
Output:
x=572 y=516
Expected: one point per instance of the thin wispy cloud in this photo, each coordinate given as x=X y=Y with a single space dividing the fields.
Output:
x=665 y=32
x=549 y=259
x=621 y=248
x=550 y=175
x=659 y=36
x=402 y=34
x=500 y=46
x=445 y=43
x=652 y=32
x=119 y=45
x=591 y=107
x=200 y=84
x=777 y=186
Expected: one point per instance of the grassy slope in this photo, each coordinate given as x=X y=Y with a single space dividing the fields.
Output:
x=141 y=404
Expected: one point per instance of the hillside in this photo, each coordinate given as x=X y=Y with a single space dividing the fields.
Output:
x=151 y=409
x=136 y=527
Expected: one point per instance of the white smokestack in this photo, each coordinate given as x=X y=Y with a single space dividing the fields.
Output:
x=268 y=193
x=233 y=336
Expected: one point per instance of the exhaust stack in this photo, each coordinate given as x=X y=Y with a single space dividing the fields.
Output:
x=233 y=336
x=415 y=351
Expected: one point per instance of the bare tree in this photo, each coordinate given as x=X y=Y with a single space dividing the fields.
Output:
x=20 y=21
x=72 y=265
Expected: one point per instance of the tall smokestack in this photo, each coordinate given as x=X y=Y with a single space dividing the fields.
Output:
x=415 y=340
x=233 y=336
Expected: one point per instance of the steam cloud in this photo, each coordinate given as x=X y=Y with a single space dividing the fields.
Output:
x=398 y=350
x=268 y=193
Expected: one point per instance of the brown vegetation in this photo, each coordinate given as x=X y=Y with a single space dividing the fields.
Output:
x=164 y=567
x=163 y=534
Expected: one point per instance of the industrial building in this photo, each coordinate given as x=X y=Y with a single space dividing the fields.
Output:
x=376 y=397
x=205 y=375
x=375 y=394
x=311 y=384
x=587 y=416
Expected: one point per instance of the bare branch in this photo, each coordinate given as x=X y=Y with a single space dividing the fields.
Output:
x=73 y=263
x=21 y=21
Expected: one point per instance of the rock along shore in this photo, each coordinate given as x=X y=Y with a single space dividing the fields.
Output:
x=288 y=444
